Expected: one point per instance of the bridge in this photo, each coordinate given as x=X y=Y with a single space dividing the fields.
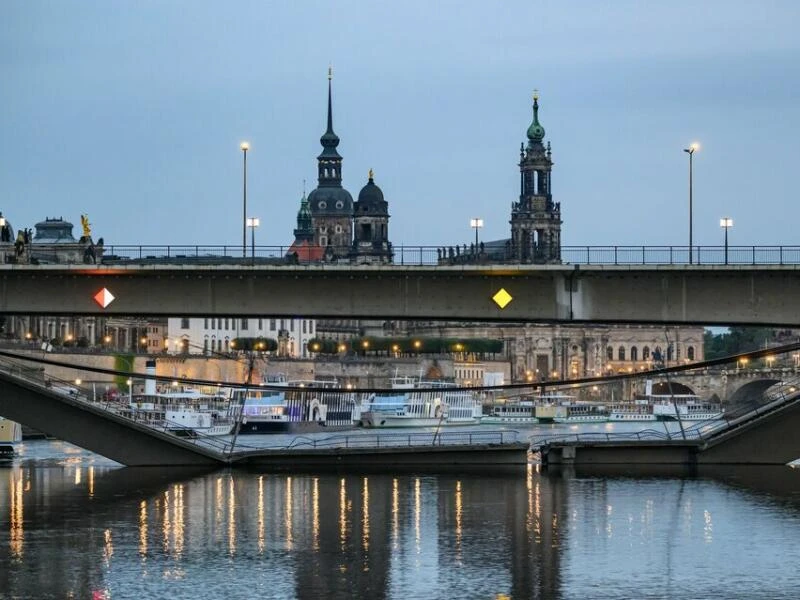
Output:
x=759 y=294
x=97 y=427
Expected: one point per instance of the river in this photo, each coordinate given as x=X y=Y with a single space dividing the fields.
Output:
x=75 y=525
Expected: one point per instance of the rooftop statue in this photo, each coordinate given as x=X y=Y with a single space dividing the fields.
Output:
x=87 y=227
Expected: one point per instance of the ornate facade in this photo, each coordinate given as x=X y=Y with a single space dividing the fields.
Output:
x=342 y=230
x=535 y=218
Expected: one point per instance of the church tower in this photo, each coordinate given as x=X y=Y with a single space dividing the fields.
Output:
x=371 y=226
x=535 y=218
x=330 y=204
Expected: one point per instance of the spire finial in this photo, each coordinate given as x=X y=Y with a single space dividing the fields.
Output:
x=535 y=95
x=304 y=187
x=371 y=174
x=330 y=71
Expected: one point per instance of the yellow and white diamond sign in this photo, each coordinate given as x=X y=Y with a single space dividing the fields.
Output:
x=502 y=298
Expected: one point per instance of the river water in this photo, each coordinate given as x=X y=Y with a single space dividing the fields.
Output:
x=75 y=525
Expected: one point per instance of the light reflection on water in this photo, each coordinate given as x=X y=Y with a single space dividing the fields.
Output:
x=235 y=534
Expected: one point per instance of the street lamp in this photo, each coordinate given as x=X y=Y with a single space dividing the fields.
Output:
x=726 y=223
x=476 y=224
x=690 y=151
x=252 y=223
x=244 y=146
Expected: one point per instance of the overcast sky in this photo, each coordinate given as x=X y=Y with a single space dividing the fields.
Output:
x=132 y=112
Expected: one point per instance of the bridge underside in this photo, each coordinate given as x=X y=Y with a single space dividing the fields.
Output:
x=724 y=295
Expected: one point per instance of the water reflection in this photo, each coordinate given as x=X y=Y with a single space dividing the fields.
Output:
x=556 y=534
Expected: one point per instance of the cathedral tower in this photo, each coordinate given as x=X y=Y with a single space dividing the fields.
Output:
x=330 y=204
x=535 y=218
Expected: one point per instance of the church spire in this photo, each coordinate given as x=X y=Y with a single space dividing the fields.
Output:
x=329 y=139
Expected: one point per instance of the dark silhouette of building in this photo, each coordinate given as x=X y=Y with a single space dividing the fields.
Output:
x=535 y=218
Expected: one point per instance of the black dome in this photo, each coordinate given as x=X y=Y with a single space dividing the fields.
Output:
x=330 y=201
x=370 y=194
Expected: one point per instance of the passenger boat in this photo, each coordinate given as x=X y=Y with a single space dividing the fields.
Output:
x=549 y=407
x=186 y=413
x=684 y=407
x=419 y=403
x=639 y=410
x=521 y=412
x=281 y=406
x=10 y=436
x=583 y=412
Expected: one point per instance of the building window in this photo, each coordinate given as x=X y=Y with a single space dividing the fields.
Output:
x=205 y=346
x=311 y=327
x=244 y=323
x=184 y=323
x=226 y=324
x=609 y=353
x=646 y=353
x=272 y=324
x=634 y=353
x=323 y=205
x=291 y=325
x=690 y=353
x=621 y=353
x=205 y=323
x=339 y=204
x=283 y=325
x=323 y=241
x=260 y=324
x=304 y=327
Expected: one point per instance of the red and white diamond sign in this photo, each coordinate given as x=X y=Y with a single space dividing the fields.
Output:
x=104 y=297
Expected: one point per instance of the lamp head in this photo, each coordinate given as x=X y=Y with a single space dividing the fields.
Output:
x=245 y=146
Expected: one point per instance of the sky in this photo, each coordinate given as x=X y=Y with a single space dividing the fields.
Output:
x=133 y=112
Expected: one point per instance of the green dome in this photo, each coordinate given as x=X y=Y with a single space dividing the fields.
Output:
x=535 y=131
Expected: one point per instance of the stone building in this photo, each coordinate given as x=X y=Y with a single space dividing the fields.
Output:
x=535 y=218
x=341 y=230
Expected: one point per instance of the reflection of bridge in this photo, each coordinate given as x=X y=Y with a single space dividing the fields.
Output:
x=699 y=294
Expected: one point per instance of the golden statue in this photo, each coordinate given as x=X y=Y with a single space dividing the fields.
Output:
x=87 y=227
x=371 y=174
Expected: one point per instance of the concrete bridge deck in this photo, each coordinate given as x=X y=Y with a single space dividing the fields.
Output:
x=695 y=294
x=91 y=426
x=766 y=435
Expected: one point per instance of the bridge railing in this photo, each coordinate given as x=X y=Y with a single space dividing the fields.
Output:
x=455 y=255
x=387 y=440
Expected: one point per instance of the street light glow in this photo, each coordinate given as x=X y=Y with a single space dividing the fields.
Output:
x=244 y=146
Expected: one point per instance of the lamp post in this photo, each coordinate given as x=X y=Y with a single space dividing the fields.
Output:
x=726 y=223
x=690 y=151
x=476 y=224
x=244 y=146
x=252 y=223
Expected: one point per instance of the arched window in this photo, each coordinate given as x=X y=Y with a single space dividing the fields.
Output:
x=609 y=353
x=634 y=353
x=646 y=353
x=690 y=353
x=621 y=353
x=670 y=352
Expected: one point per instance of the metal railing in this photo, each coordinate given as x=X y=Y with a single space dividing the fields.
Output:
x=458 y=255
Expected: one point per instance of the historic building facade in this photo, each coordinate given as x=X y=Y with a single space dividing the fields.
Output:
x=535 y=218
x=330 y=225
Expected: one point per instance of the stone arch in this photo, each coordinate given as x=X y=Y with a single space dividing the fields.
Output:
x=750 y=392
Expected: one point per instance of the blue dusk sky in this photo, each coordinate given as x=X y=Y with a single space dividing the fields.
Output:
x=132 y=112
